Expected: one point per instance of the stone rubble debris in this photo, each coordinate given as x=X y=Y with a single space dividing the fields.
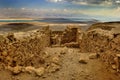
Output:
x=100 y=38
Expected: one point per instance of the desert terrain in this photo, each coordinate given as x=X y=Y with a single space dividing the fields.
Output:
x=50 y=51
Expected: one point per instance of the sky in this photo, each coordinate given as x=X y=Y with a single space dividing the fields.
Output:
x=108 y=10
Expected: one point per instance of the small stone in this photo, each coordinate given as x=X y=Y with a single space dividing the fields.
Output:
x=64 y=50
x=70 y=51
x=93 y=56
x=55 y=60
x=45 y=54
x=40 y=71
x=53 y=68
x=118 y=55
x=29 y=69
x=4 y=53
x=114 y=67
x=17 y=69
x=8 y=58
x=82 y=61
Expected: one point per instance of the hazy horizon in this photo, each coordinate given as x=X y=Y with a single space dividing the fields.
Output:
x=106 y=10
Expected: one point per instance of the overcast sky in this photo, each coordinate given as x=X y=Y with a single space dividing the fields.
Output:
x=98 y=9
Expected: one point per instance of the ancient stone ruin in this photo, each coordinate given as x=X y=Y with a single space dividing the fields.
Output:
x=102 y=38
x=68 y=37
x=16 y=54
x=23 y=51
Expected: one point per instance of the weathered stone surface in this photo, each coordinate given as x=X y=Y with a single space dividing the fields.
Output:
x=72 y=45
x=114 y=67
x=40 y=71
x=53 y=68
x=15 y=70
x=93 y=56
x=29 y=69
x=25 y=50
x=83 y=61
x=96 y=40
x=103 y=38
x=56 y=60
x=64 y=50
x=4 y=53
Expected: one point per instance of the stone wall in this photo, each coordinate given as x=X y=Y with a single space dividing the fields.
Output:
x=25 y=51
x=104 y=42
x=96 y=40
x=70 y=35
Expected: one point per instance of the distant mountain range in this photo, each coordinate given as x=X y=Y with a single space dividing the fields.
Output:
x=68 y=20
x=54 y=20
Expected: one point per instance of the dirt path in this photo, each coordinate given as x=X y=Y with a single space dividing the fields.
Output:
x=73 y=70
x=70 y=69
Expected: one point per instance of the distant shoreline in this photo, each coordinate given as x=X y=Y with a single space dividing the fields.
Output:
x=16 y=19
x=49 y=21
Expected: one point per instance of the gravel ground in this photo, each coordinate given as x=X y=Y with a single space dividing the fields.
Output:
x=70 y=68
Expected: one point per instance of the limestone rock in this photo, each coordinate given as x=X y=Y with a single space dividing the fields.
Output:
x=118 y=55
x=2 y=38
x=4 y=53
x=114 y=67
x=16 y=70
x=93 y=56
x=64 y=50
x=46 y=54
x=82 y=61
x=55 y=60
x=40 y=71
x=53 y=67
x=29 y=69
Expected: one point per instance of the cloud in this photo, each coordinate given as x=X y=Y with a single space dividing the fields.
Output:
x=103 y=12
x=90 y=2
x=55 y=1
x=53 y=12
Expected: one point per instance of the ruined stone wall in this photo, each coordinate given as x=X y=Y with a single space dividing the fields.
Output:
x=96 y=40
x=104 y=42
x=24 y=52
x=70 y=35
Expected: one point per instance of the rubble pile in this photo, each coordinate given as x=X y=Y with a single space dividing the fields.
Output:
x=112 y=55
x=96 y=40
x=20 y=53
x=25 y=51
x=103 y=41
